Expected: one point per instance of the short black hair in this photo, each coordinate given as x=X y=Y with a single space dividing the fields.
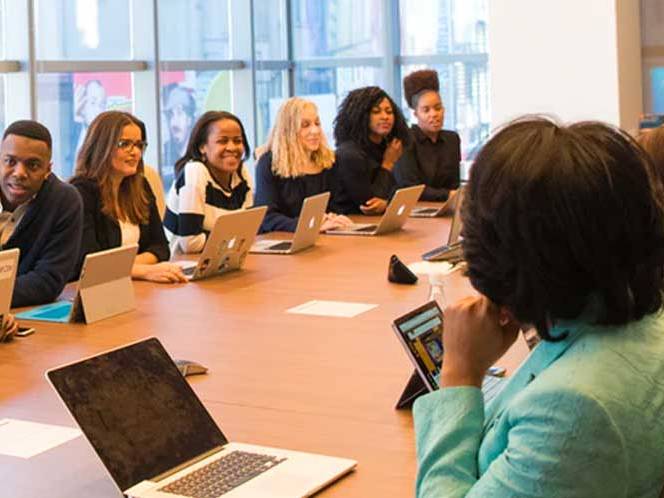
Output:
x=30 y=129
x=557 y=217
x=352 y=121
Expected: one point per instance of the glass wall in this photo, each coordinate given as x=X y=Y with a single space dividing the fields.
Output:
x=168 y=61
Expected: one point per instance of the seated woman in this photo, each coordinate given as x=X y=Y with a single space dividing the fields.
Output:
x=434 y=154
x=370 y=133
x=119 y=207
x=210 y=179
x=563 y=229
x=297 y=164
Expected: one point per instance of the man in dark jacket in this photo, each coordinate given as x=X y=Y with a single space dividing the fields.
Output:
x=41 y=215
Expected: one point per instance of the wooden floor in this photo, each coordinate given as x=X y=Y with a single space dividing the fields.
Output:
x=325 y=385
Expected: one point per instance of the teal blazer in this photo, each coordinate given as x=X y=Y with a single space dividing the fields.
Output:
x=583 y=417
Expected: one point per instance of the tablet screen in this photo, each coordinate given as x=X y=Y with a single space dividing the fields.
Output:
x=420 y=332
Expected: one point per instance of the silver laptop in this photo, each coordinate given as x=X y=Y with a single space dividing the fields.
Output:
x=157 y=440
x=8 y=267
x=435 y=212
x=306 y=233
x=104 y=290
x=394 y=218
x=227 y=245
x=421 y=334
x=452 y=251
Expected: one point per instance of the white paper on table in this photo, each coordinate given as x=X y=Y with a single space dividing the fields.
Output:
x=24 y=439
x=341 y=309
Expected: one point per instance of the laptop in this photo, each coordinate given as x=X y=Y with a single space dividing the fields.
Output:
x=394 y=218
x=157 y=440
x=227 y=245
x=435 y=212
x=306 y=233
x=452 y=251
x=104 y=290
x=8 y=267
x=420 y=333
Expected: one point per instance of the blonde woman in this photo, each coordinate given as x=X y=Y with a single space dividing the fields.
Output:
x=297 y=163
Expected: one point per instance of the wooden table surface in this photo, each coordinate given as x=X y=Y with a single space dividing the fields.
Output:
x=317 y=384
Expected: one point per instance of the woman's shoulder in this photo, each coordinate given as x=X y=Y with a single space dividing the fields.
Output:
x=87 y=187
x=348 y=150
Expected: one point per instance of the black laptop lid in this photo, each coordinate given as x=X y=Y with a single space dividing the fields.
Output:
x=137 y=411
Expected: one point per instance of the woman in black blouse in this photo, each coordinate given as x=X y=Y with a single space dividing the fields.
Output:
x=370 y=132
x=119 y=207
x=297 y=164
x=434 y=155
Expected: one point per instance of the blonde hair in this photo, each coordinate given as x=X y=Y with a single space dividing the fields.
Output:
x=288 y=154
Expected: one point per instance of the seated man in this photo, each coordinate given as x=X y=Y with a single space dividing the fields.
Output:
x=40 y=215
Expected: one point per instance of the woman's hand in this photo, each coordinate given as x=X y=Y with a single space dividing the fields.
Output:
x=392 y=154
x=166 y=273
x=9 y=327
x=332 y=220
x=476 y=334
x=375 y=205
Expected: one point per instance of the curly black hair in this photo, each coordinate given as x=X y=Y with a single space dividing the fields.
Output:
x=558 y=217
x=352 y=121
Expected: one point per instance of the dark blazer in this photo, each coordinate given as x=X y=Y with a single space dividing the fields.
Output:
x=102 y=232
x=284 y=196
x=361 y=175
x=436 y=165
x=49 y=238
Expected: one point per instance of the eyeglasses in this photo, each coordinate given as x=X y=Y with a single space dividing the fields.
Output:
x=126 y=145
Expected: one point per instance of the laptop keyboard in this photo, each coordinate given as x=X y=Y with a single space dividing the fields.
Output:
x=222 y=475
x=491 y=387
x=281 y=246
x=369 y=228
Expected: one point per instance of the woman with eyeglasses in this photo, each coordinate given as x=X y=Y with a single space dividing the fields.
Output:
x=210 y=179
x=119 y=207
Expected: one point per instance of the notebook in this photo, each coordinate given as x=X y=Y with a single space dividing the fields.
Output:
x=104 y=290
x=393 y=219
x=421 y=334
x=306 y=232
x=157 y=440
x=227 y=245
x=452 y=251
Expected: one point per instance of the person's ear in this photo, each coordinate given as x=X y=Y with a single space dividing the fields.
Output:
x=49 y=168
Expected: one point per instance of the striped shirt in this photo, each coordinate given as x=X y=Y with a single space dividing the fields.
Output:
x=196 y=200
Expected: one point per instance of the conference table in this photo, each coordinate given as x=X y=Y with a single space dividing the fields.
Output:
x=310 y=383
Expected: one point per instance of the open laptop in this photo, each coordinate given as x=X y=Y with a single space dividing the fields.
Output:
x=227 y=245
x=452 y=251
x=421 y=334
x=8 y=267
x=393 y=219
x=104 y=290
x=157 y=440
x=306 y=233
x=433 y=211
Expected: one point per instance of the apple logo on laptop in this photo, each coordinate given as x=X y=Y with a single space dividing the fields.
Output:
x=231 y=243
x=312 y=222
x=402 y=208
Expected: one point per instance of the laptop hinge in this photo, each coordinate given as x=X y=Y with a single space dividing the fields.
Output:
x=186 y=464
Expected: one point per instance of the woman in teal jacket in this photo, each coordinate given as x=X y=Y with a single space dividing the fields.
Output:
x=563 y=230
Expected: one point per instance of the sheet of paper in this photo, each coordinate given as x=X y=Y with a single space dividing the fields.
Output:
x=342 y=309
x=24 y=439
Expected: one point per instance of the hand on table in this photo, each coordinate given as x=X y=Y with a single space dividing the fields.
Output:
x=166 y=273
x=477 y=333
x=9 y=327
x=332 y=220
x=375 y=205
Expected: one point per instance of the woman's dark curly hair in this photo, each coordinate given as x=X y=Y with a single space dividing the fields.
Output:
x=555 y=217
x=352 y=121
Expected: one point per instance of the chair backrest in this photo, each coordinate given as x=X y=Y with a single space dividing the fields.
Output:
x=153 y=178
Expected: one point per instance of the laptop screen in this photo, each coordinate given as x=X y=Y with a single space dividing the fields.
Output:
x=421 y=332
x=137 y=411
x=457 y=224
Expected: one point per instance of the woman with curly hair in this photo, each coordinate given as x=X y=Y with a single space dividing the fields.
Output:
x=564 y=231
x=370 y=132
x=297 y=164
x=434 y=155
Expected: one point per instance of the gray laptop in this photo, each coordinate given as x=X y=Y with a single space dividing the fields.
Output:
x=435 y=212
x=394 y=218
x=157 y=440
x=306 y=233
x=8 y=267
x=227 y=245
